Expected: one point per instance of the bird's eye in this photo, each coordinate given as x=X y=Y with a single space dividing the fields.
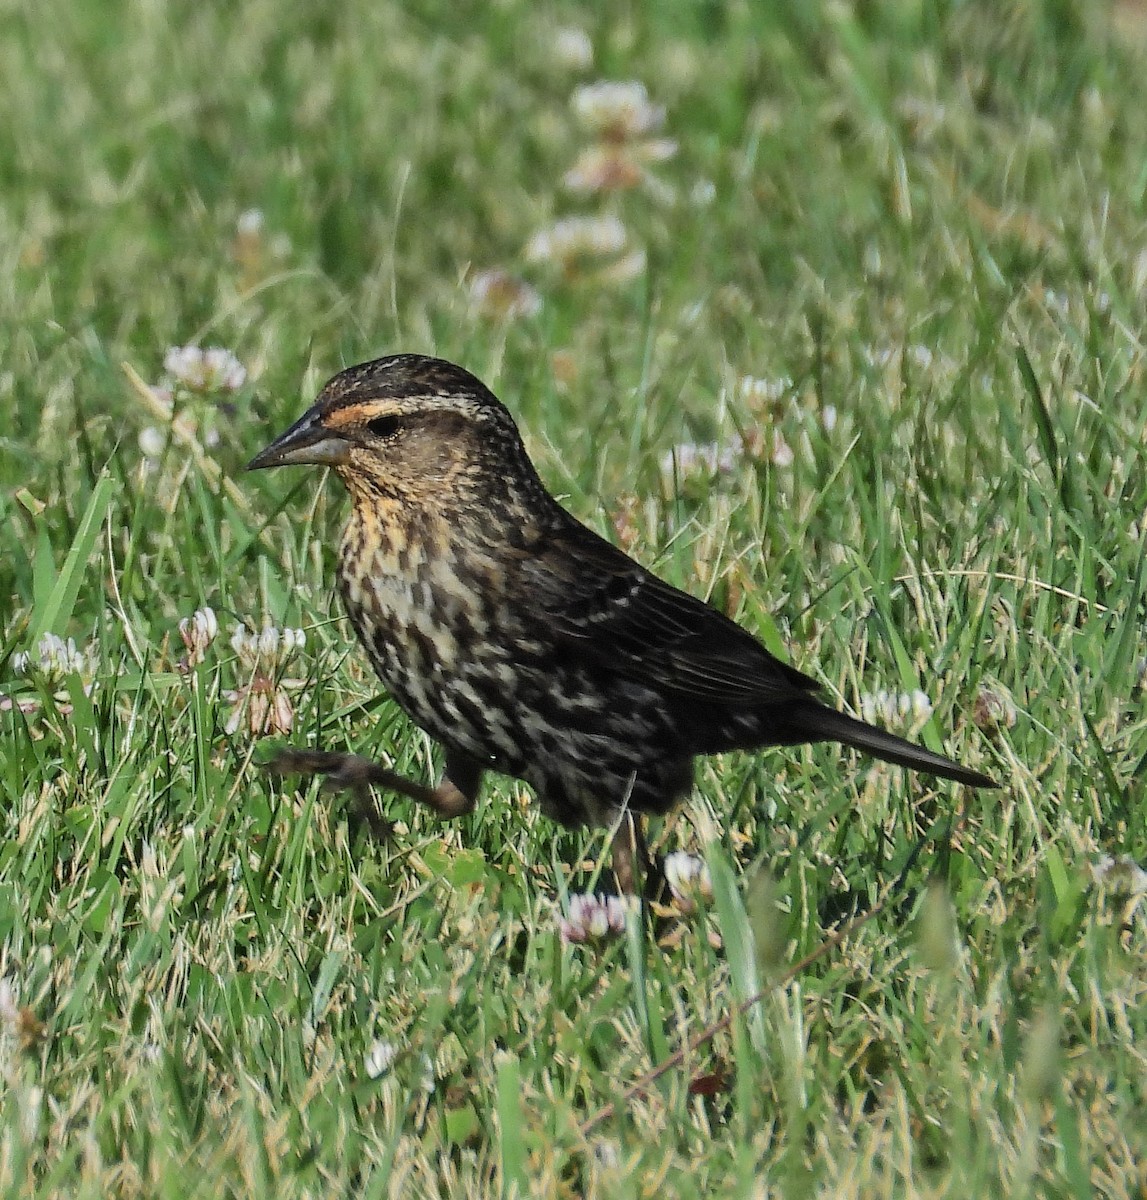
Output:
x=384 y=427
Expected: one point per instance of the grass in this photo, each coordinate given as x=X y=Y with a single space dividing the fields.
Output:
x=931 y=218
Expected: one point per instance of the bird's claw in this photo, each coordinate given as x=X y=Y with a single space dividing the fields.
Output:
x=341 y=772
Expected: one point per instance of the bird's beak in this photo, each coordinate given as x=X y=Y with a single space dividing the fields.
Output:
x=306 y=442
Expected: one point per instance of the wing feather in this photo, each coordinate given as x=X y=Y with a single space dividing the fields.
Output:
x=620 y=616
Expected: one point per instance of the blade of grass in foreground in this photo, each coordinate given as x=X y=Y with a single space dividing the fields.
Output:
x=737 y=934
x=514 y=1179
x=55 y=612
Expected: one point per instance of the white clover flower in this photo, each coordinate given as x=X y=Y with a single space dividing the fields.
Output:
x=764 y=392
x=571 y=48
x=595 y=918
x=53 y=658
x=245 y=644
x=617 y=111
x=263 y=704
x=152 y=442
x=613 y=166
x=772 y=397
x=379 y=1058
x=501 y=296
x=688 y=879
x=268 y=643
x=212 y=370
x=622 y=118
x=574 y=238
x=603 y=169
x=782 y=454
x=198 y=632
x=250 y=223
x=1122 y=874
x=267 y=649
x=702 y=458
x=893 y=708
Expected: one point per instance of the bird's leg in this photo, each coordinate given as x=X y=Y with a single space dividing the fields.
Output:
x=629 y=855
x=457 y=791
x=454 y=796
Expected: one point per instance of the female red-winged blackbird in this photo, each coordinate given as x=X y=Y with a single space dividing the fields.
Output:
x=517 y=637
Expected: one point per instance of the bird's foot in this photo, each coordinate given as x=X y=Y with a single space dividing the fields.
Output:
x=356 y=774
x=340 y=773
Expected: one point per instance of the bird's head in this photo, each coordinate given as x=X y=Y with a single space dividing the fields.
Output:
x=408 y=427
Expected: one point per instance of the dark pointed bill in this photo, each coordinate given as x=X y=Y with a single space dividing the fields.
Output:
x=307 y=442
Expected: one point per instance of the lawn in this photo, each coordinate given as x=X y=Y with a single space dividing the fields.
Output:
x=846 y=336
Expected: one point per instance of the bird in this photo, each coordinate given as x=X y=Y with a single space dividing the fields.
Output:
x=519 y=639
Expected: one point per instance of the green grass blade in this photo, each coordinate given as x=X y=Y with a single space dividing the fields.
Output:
x=737 y=934
x=511 y=1124
x=56 y=612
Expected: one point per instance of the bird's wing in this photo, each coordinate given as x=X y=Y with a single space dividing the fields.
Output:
x=610 y=610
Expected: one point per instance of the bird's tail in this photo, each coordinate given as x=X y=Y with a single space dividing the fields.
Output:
x=819 y=723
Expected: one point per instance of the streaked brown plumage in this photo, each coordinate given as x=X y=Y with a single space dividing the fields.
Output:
x=517 y=637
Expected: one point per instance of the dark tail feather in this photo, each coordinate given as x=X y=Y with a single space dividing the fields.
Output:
x=819 y=723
